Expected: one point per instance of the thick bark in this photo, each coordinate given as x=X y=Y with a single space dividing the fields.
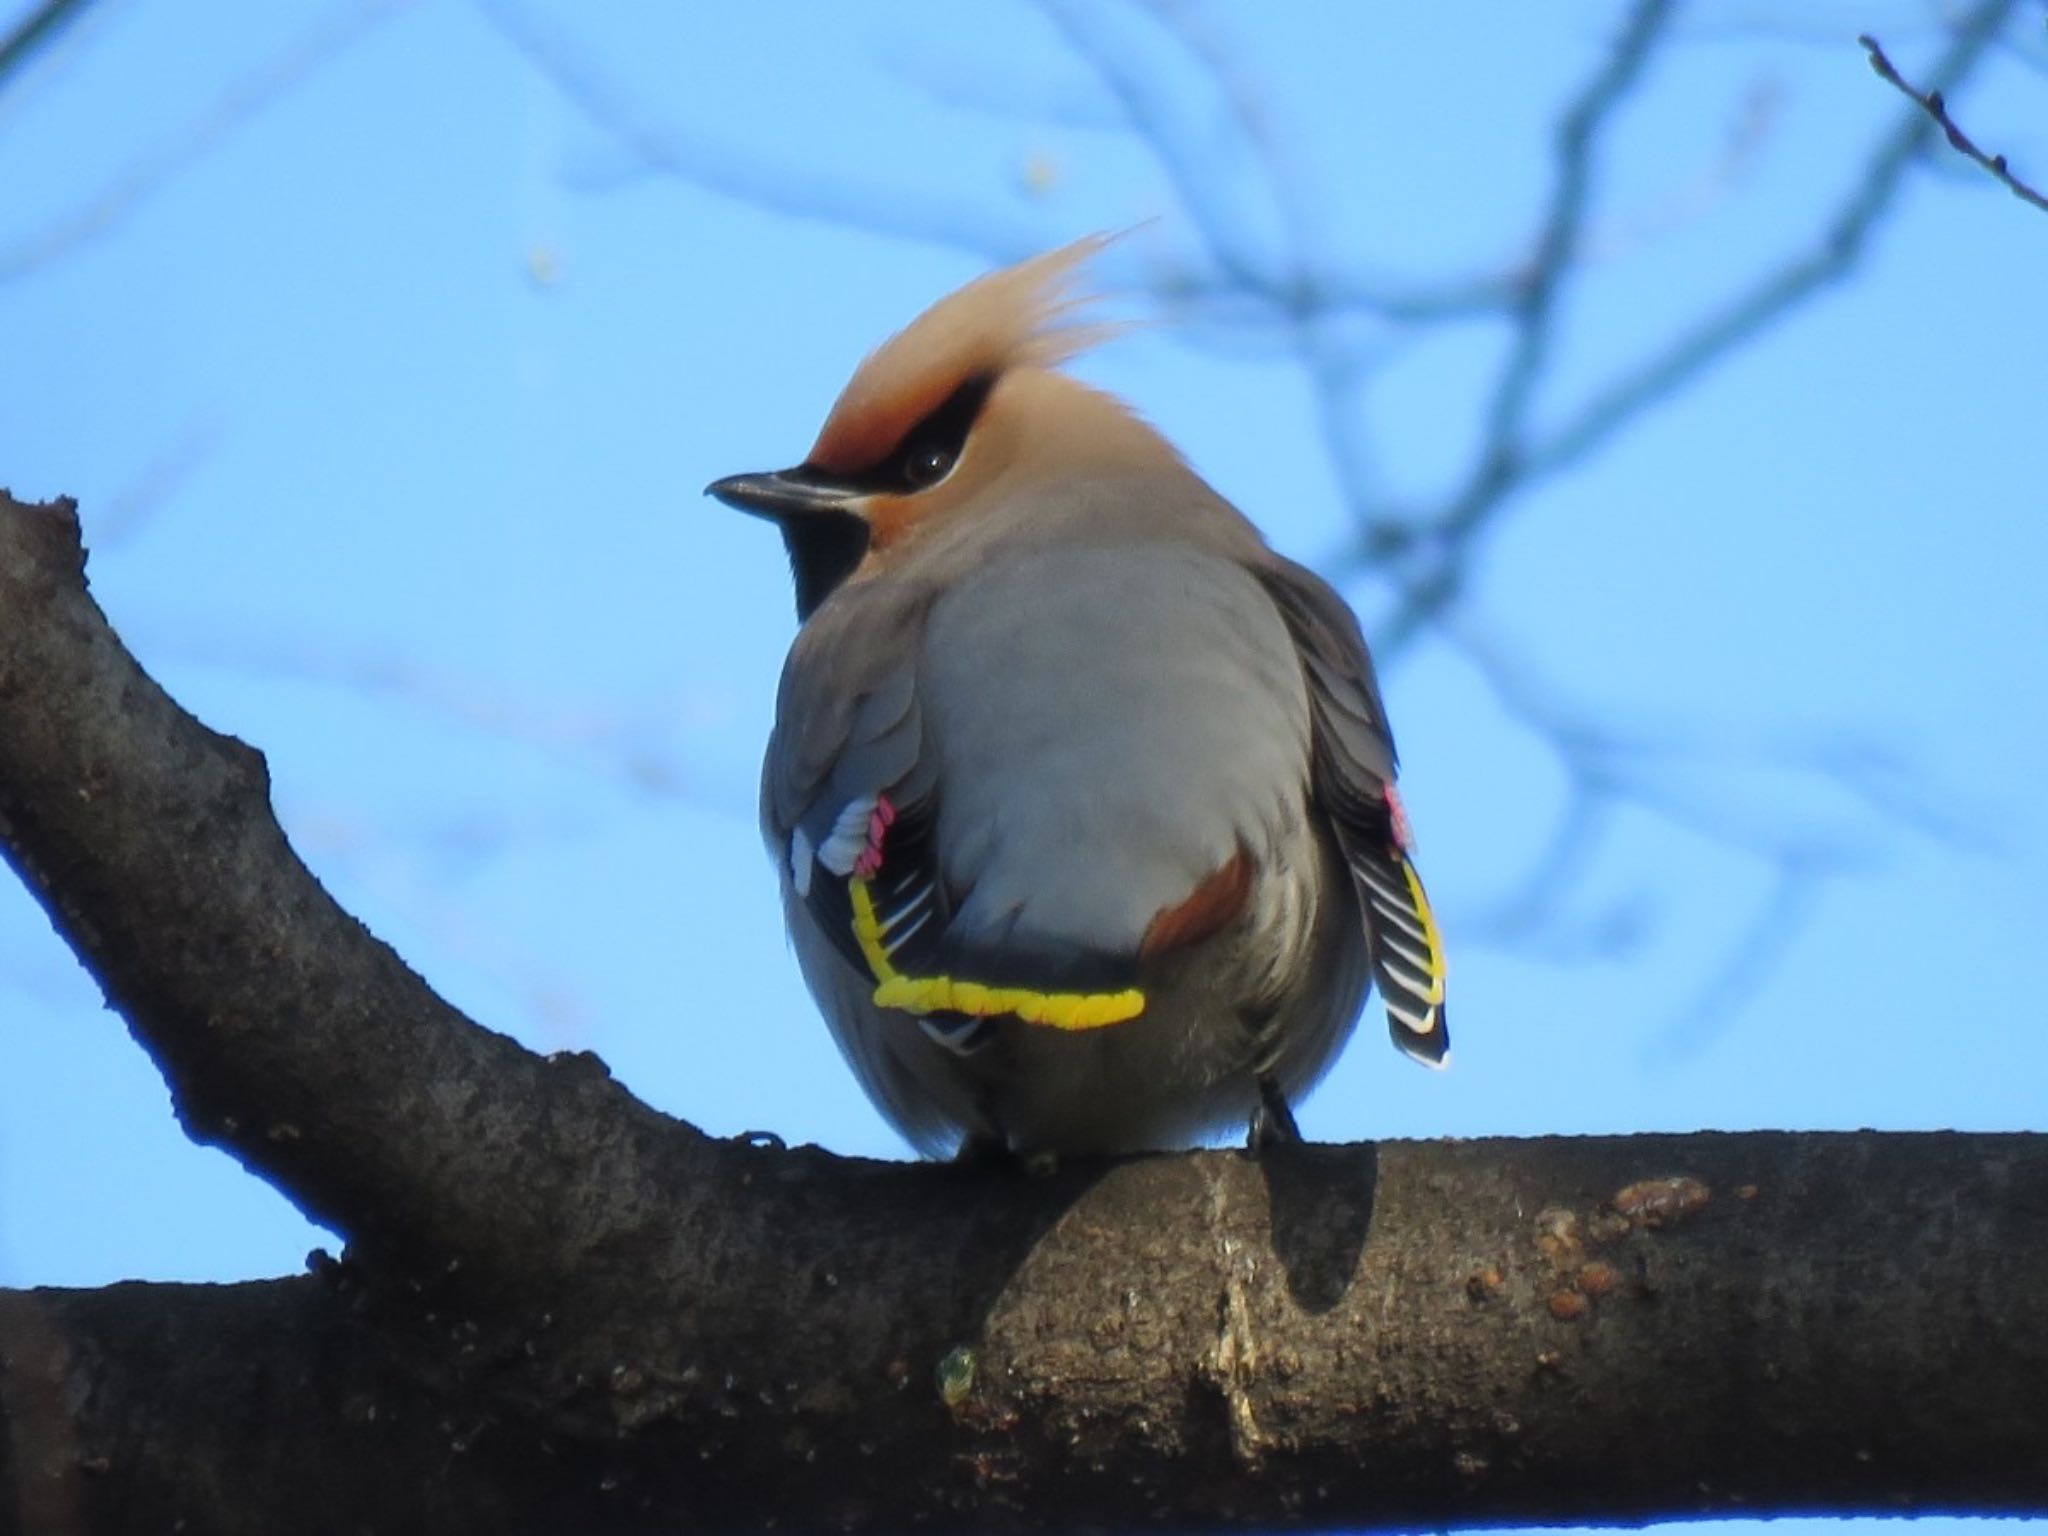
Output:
x=1422 y=1335
x=563 y=1311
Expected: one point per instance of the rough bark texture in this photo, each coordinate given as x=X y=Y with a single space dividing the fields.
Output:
x=562 y=1311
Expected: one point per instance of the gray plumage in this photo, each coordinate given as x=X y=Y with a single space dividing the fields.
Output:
x=1074 y=728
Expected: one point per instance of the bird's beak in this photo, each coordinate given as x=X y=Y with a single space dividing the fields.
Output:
x=786 y=493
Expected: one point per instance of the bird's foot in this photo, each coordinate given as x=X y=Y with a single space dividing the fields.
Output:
x=979 y=1150
x=1273 y=1121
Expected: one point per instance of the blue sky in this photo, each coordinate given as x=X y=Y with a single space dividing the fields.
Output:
x=388 y=389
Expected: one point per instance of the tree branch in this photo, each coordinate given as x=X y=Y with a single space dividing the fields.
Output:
x=1555 y=259
x=289 y=1035
x=1936 y=106
x=729 y=168
x=1414 y=1335
x=114 y=202
x=562 y=1310
x=1841 y=246
x=42 y=26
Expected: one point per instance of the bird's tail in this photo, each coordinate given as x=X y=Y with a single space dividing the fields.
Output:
x=1407 y=956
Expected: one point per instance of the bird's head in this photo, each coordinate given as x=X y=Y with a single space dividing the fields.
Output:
x=943 y=421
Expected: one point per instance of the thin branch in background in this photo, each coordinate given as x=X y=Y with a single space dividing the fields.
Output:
x=1843 y=241
x=1288 y=294
x=1842 y=244
x=621 y=743
x=1557 y=245
x=1690 y=198
x=1875 y=774
x=958 y=82
x=730 y=169
x=372 y=863
x=36 y=31
x=1935 y=105
x=1530 y=915
x=118 y=200
x=2029 y=49
x=1608 y=768
x=1499 y=465
x=1346 y=293
x=152 y=487
x=1190 y=174
x=1788 y=906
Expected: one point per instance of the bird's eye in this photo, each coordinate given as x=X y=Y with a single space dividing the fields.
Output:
x=931 y=450
x=926 y=464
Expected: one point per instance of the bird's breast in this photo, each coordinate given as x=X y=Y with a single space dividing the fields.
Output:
x=1111 y=724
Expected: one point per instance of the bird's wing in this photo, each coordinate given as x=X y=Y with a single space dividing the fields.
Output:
x=851 y=799
x=1353 y=773
x=1124 y=731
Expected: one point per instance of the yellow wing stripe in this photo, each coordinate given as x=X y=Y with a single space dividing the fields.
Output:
x=1429 y=934
x=946 y=994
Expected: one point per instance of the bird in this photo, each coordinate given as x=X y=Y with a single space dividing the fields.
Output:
x=1082 y=797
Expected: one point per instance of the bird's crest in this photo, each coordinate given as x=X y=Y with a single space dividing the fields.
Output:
x=1023 y=316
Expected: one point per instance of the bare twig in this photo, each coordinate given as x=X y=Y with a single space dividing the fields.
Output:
x=1498 y=464
x=625 y=742
x=158 y=481
x=38 y=28
x=1842 y=244
x=1765 y=941
x=106 y=209
x=1689 y=198
x=1935 y=105
x=732 y=170
x=1655 y=771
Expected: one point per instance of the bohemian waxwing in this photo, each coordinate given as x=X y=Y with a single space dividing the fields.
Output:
x=1082 y=797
